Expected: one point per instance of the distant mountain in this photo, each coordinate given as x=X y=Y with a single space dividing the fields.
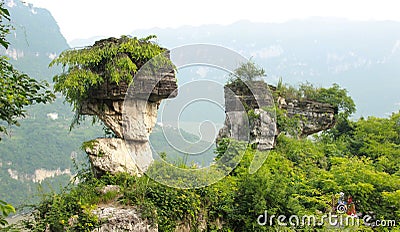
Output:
x=35 y=40
x=363 y=57
x=42 y=147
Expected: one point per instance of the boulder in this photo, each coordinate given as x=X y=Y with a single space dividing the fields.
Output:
x=110 y=155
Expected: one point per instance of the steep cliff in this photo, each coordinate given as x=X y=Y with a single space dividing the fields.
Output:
x=259 y=127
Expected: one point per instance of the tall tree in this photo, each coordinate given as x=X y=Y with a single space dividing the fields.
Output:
x=249 y=71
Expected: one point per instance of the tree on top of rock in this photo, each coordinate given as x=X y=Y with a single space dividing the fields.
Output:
x=249 y=71
x=109 y=60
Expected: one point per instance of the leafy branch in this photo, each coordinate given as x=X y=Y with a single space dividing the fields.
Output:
x=5 y=210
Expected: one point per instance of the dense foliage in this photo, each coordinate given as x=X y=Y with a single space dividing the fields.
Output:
x=300 y=176
x=18 y=91
x=5 y=210
x=4 y=28
x=112 y=60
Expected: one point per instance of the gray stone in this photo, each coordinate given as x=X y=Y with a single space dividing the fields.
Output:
x=107 y=100
x=240 y=98
x=109 y=188
x=122 y=219
x=264 y=130
x=315 y=116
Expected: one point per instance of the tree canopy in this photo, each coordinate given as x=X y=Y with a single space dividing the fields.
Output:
x=335 y=96
x=248 y=71
x=112 y=60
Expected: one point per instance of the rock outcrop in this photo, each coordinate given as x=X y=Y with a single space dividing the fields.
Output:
x=122 y=219
x=130 y=119
x=260 y=127
x=107 y=100
x=111 y=155
x=114 y=217
x=314 y=116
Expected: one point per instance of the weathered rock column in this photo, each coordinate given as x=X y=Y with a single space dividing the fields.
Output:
x=131 y=121
x=259 y=128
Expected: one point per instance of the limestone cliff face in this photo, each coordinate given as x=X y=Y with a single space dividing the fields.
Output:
x=111 y=155
x=259 y=127
x=131 y=120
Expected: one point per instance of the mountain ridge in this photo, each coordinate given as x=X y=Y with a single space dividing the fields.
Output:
x=361 y=56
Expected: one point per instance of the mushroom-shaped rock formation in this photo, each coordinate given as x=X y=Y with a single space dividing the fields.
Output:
x=98 y=82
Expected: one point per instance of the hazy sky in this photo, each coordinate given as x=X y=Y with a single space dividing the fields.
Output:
x=87 y=18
